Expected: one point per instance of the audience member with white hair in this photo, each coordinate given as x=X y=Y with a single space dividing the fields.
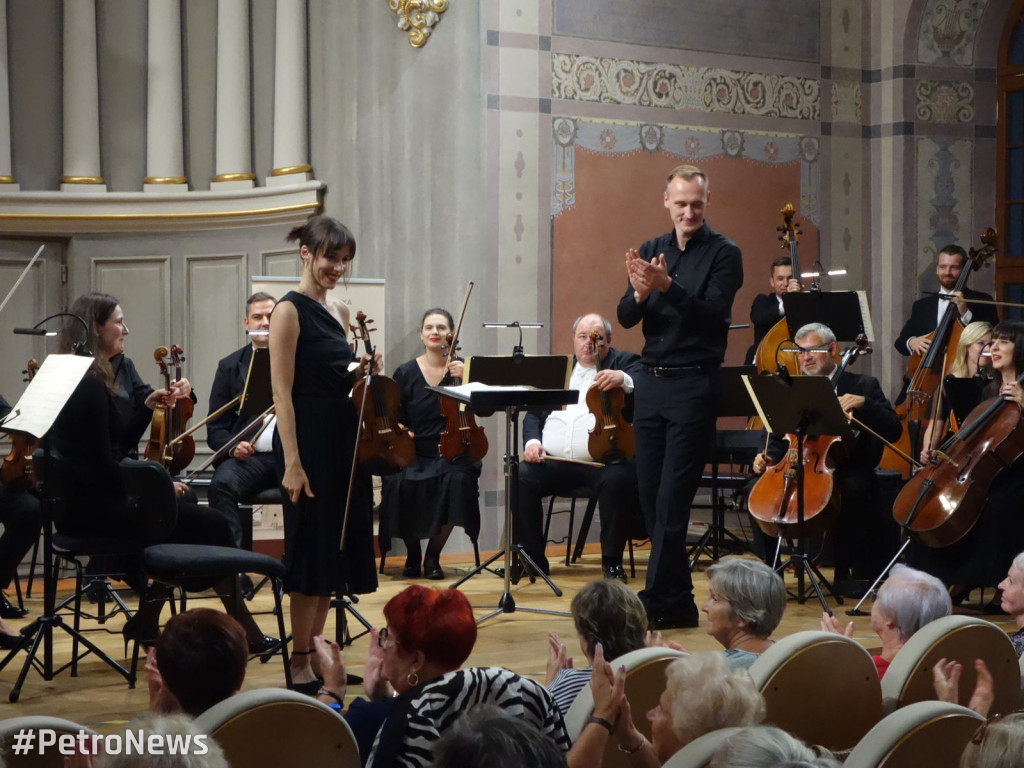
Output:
x=767 y=747
x=1012 y=600
x=999 y=743
x=701 y=695
x=907 y=601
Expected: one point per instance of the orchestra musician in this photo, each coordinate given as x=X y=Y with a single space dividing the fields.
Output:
x=766 y=309
x=249 y=466
x=429 y=497
x=564 y=434
x=22 y=520
x=317 y=424
x=89 y=436
x=681 y=287
x=927 y=312
x=862 y=524
x=982 y=557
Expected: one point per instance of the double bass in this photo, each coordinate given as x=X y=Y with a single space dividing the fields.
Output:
x=773 y=500
x=926 y=372
x=611 y=439
x=943 y=501
x=383 y=445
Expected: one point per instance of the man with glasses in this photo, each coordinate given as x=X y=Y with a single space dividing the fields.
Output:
x=863 y=528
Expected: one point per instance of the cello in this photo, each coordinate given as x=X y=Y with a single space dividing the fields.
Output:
x=611 y=439
x=461 y=435
x=926 y=372
x=18 y=472
x=772 y=501
x=943 y=501
x=382 y=445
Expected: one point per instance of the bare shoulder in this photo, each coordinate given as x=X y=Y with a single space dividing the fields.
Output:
x=339 y=310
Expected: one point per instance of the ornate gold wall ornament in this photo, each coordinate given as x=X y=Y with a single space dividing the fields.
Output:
x=418 y=17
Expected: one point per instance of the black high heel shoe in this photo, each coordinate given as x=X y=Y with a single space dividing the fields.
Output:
x=310 y=688
x=10 y=642
x=141 y=629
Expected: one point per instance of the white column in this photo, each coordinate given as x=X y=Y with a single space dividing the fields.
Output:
x=6 y=169
x=81 y=100
x=165 y=161
x=291 y=112
x=233 y=166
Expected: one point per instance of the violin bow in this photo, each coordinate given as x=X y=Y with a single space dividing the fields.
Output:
x=21 y=277
x=458 y=329
x=362 y=330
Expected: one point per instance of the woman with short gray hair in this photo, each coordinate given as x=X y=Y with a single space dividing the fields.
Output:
x=745 y=604
x=768 y=747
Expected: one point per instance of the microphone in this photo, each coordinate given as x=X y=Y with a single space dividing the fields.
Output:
x=34 y=332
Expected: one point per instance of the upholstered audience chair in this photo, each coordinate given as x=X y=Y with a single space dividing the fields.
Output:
x=926 y=733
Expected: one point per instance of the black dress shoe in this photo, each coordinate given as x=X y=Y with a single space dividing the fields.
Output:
x=263 y=645
x=432 y=570
x=9 y=610
x=308 y=689
x=615 y=572
x=10 y=642
x=411 y=571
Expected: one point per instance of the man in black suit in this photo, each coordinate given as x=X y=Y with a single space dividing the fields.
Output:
x=863 y=528
x=249 y=467
x=926 y=313
x=564 y=434
x=766 y=309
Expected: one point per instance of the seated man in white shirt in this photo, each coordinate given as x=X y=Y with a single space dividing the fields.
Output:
x=565 y=434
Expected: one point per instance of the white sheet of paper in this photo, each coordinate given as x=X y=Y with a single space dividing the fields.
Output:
x=46 y=394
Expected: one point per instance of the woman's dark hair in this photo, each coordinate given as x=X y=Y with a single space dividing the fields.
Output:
x=1012 y=330
x=610 y=613
x=438 y=311
x=323 y=235
x=437 y=622
x=488 y=735
x=95 y=309
x=201 y=655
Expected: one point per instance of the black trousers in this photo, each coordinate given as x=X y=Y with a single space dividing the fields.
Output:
x=22 y=520
x=234 y=481
x=614 y=485
x=674 y=432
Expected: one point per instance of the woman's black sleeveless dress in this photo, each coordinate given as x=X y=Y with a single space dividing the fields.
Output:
x=325 y=428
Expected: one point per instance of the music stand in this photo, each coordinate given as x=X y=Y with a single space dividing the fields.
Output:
x=805 y=406
x=845 y=312
x=513 y=398
x=257 y=394
x=37 y=409
x=735 y=401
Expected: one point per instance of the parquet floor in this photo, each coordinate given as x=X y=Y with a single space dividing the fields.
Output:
x=100 y=698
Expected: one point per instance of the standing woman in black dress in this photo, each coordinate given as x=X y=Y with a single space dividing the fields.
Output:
x=431 y=496
x=315 y=440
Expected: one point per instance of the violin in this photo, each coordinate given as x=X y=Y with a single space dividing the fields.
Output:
x=944 y=500
x=18 y=472
x=461 y=435
x=926 y=372
x=170 y=421
x=382 y=444
x=611 y=439
x=772 y=501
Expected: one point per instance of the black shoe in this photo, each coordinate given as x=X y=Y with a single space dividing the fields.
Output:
x=615 y=572
x=432 y=570
x=308 y=689
x=411 y=571
x=10 y=611
x=264 y=645
x=10 y=642
x=141 y=629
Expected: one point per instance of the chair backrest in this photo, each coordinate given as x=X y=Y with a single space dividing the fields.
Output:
x=152 y=487
x=698 y=753
x=926 y=733
x=645 y=682
x=51 y=757
x=820 y=687
x=271 y=727
x=959 y=638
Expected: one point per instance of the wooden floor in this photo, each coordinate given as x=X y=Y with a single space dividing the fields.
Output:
x=99 y=697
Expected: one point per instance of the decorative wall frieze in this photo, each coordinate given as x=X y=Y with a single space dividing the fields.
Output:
x=670 y=86
x=418 y=18
x=846 y=102
x=948 y=31
x=943 y=101
x=689 y=144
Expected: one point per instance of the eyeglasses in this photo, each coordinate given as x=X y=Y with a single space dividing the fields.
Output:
x=382 y=638
x=979 y=736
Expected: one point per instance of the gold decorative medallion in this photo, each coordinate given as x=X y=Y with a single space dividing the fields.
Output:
x=418 y=17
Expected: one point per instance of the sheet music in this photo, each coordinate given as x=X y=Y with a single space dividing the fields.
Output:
x=465 y=390
x=47 y=393
x=865 y=313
